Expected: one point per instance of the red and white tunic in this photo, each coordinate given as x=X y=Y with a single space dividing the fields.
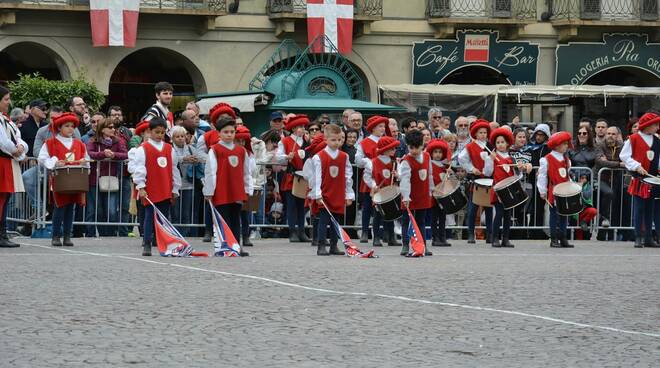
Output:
x=378 y=172
x=287 y=145
x=366 y=151
x=473 y=156
x=501 y=172
x=155 y=169
x=67 y=149
x=553 y=169
x=226 y=165
x=333 y=179
x=416 y=181
x=641 y=150
x=11 y=180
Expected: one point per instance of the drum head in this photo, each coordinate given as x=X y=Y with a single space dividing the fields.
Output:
x=652 y=181
x=566 y=189
x=484 y=182
x=299 y=173
x=446 y=188
x=506 y=182
x=386 y=194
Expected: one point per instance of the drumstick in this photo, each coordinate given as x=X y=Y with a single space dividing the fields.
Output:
x=491 y=152
x=548 y=202
x=393 y=170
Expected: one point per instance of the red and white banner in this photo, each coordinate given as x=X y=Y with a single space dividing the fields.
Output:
x=334 y=18
x=476 y=48
x=114 y=22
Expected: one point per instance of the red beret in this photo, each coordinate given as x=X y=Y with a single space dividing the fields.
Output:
x=385 y=144
x=648 y=119
x=318 y=143
x=559 y=138
x=141 y=127
x=440 y=144
x=219 y=109
x=373 y=121
x=298 y=120
x=211 y=138
x=242 y=132
x=67 y=117
x=501 y=131
x=478 y=124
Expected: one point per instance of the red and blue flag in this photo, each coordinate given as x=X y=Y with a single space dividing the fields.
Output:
x=224 y=242
x=351 y=249
x=417 y=244
x=169 y=240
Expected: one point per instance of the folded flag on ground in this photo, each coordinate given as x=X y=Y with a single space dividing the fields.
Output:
x=351 y=249
x=169 y=240
x=417 y=245
x=224 y=242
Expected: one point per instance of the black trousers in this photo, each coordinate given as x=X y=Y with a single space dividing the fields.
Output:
x=231 y=213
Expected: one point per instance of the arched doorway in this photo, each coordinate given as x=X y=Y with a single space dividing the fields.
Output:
x=132 y=82
x=476 y=74
x=30 y=58
x=625 y=76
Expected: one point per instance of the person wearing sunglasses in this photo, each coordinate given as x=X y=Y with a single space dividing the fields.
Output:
x=584 y=155
x=37 y=118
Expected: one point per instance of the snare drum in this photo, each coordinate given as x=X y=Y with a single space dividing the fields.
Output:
x=388 y=202
x=568 y=198
x=300 y=185
x=652 y=180
x=450 y=196
x=71 y=179
x=481 y=192
x=510 y=192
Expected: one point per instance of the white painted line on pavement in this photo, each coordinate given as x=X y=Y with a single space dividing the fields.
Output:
x=396 y=297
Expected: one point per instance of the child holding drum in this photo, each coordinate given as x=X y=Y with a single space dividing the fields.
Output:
x=380 y=172
x=640 y=154
x=440 y=154
x=416 y=183
x=500 y=165
x=472 y=159
x=243 y=139
x=553 y=170
x=59 y=152
x=156 y=177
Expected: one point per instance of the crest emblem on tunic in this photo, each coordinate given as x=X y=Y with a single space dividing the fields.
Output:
x=386 y=173
x=233 y=160
x=650 y=154
x=162 y=162
x=69 y=156
x=562 y=172
x=334 y=171
x=301 y=154
x=483 y=155
x=422 y=174
x=506 y=168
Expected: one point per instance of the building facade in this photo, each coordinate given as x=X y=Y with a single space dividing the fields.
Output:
x=207 y=46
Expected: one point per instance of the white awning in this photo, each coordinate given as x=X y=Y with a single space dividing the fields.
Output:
x=245 y=102
x=522 y=90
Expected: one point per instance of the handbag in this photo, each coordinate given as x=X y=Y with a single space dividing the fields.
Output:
x=108 y=184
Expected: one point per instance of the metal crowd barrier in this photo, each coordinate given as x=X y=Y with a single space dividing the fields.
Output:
x=107 y=214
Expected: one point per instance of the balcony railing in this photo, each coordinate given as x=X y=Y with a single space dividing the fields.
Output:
x=605 y=10
x=364 y=8
x=167 y=6
x=514 y=9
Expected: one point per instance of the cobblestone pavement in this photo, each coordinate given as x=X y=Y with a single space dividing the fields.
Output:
x=101 y=304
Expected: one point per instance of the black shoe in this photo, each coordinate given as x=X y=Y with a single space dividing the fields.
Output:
x=564 y=241
x=321 y=250
x=443 y=242
x=244 y=253
x=471 y=238
x=427 y=251
x=377 y=242
x=56 y=241
x=489 y=238
x=554 y=243
x=303 y=236
x=393 y=242
x=435 y=242
x=293 y=236
x=246 y=241
x=146 y=251
x=364 y=238
x=496 y=243
x=638 y=242
x=67 y=241
x=335 y=251
x=4 y=239
x=506 y=243
x=208 y=236
x=405 y=248
x=650 y=243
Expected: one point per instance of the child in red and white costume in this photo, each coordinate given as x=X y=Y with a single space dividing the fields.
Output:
x=243 y=139
x=291 y=149
x=378 y=173
x=440 y=163
x=366 y=151
x=501 y=166
x=60 y=151
x=309 y=173
x=554 y=169
x=333 y=189
x=227 y=163
x=156 y=176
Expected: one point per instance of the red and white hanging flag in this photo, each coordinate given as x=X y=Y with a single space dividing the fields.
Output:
x=334 y=18
x=114 y=22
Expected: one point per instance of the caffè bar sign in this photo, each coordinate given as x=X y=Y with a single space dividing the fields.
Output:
x=434 y=60
x=579 y=61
